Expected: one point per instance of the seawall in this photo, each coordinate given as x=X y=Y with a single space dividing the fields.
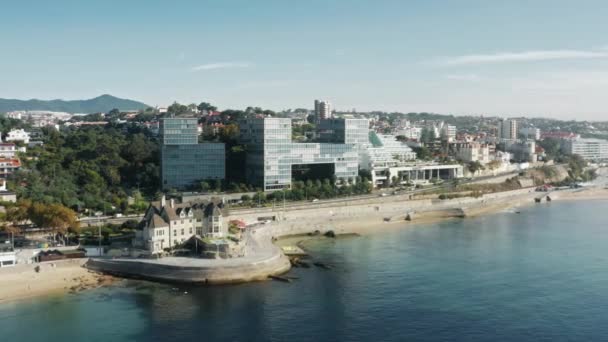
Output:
x=212 y=275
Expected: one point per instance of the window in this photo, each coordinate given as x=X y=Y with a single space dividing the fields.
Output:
x=182 y=231
x=190 y=230
x=8 y=262
x=174 y=232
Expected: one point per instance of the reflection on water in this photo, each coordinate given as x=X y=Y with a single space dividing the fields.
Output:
x=540 y=274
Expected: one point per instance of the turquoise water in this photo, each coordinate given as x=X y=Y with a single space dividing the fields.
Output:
x=541 y=275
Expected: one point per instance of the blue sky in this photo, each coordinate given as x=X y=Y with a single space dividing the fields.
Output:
x=534 y=57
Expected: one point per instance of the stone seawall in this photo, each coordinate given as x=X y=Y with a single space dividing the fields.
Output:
x=245 y=272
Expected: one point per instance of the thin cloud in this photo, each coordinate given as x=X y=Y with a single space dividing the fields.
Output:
x=222 y=65
x=464 y=77
x=526 y=56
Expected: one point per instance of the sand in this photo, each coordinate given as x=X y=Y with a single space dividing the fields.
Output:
x=58 y=277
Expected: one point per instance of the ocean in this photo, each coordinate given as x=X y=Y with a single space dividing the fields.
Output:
x=540 y=274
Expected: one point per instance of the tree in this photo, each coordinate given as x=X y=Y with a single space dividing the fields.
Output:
x=177 y=109
x=114 y=113
x=423 y=153
x=475 y=166
x=205 y=186
x=206 y=107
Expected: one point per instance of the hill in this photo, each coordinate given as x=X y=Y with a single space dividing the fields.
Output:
x=100 y=104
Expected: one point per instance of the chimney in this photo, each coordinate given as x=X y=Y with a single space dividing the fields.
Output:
x=172 y=201
x=163 y=201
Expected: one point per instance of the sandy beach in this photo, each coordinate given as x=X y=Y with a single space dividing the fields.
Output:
x=22 y=281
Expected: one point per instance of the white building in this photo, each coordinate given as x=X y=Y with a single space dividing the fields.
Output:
x=589 y=149
x=9 y=150
x=413 y=173
x=410 y=132
x=507 y=129
x=448 y=132
x=7 y=255
x=18 y=135
x=169 y=224
x=383 y=149
x=530 y=133
x=472 y=152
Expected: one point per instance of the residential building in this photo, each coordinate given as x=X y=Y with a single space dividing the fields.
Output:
x=168 y=224
x=5 y=195
x=530 y=133
x=411 y=132
x=322 y=110
x=8 y=166
x=507 y=129
x=9 y=150
x=589 y=149
x=471 y=152
x=185 y=161
x=524 y=151
x=448 y=132
x=18 y=135
x=272 y=156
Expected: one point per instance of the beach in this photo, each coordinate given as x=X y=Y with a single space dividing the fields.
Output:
x=57 y=277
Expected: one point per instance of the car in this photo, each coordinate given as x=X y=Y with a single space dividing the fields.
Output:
x=383 y=194
x=315 y=200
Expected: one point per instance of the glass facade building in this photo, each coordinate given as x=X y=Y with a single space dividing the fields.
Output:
x=271 y=154
x=185 y=162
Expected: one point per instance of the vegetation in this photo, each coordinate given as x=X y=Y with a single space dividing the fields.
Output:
x=90 y=167
x=311 y=190
x=60 y=219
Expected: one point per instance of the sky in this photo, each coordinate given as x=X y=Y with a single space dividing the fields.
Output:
x=480 y=57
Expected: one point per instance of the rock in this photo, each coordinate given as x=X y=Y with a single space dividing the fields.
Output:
x=330 y=234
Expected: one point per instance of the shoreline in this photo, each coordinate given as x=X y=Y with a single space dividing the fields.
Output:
x=69 y=276
x=22 y=282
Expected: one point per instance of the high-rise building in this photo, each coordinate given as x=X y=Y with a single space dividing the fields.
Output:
x=272 y=157
x=322 y=110
x=588 y=149
x=185 y=162
x=507 y=129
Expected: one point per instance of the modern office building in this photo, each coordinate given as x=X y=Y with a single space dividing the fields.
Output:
x=589 y=149
x=507 y=129
x=344 y=131
x=322 y=110
x=184 y=161
x=272 y=157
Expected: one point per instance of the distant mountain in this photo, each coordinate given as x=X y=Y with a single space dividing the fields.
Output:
x=100 y=104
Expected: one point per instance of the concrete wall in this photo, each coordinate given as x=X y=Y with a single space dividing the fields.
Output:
x=245 y=272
